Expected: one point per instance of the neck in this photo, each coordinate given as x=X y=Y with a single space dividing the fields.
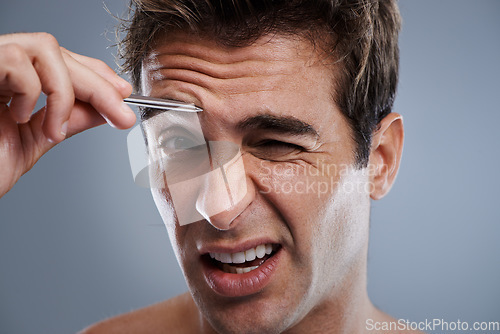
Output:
x=345 y=309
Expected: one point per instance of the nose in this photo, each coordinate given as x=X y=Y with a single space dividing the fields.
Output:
x=226 y=191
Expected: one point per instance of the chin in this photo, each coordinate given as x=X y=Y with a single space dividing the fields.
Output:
x=249 y=315
x=251 y=323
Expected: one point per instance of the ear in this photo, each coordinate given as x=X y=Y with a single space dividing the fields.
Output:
x=385 y=155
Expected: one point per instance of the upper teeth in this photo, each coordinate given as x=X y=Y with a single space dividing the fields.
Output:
x=240 y=257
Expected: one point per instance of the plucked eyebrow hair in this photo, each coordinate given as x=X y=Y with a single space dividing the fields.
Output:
x=278 y=124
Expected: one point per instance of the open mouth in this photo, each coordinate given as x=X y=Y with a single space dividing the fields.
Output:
x=243 y=262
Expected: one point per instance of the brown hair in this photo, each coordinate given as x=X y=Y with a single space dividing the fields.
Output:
x=360 y=35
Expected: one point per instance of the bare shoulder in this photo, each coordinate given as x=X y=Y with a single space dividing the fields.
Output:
x=176 y=315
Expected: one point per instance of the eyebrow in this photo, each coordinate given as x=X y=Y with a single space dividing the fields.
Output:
x=147 y=112
x=279 y=124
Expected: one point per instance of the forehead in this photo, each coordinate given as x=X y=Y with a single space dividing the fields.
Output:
x=276 y=74
x=267 y=56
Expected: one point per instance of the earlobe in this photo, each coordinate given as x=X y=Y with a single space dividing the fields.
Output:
x=385 y=156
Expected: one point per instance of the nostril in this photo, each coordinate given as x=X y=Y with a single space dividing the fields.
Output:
x=219 y=223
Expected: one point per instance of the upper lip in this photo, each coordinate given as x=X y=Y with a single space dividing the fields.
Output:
x=221 y=247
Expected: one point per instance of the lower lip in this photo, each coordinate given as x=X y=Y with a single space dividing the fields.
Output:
x=239 y=285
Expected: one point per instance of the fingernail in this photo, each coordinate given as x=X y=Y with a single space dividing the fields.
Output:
x=26 y=119
x=64 y=128
x=126 y=109
x=108 y=121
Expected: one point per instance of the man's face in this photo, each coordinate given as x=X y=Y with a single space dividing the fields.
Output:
x=275 y=100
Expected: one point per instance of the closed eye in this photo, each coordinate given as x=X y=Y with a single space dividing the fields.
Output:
x=271 y=149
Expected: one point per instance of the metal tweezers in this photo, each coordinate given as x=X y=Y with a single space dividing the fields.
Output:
x=152 y=102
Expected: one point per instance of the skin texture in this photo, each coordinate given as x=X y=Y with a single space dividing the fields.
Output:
x=273 y=77
x=319 y=285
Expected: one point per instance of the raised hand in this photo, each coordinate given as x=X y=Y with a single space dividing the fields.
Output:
x=81 y=92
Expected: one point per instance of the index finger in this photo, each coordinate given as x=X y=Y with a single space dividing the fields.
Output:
x=92 y=88
x=100 y=67
x=43 y=50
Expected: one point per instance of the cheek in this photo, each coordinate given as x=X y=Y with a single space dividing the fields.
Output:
x=166 y=209
x=302 y=196
x=326 y=211
x=177 y=234
x=299 y=191
x=165 y=206
x=344 y=230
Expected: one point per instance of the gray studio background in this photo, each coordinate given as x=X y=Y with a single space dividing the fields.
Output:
x=79 y=242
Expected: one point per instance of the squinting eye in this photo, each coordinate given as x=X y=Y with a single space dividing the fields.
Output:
x=274 y=149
